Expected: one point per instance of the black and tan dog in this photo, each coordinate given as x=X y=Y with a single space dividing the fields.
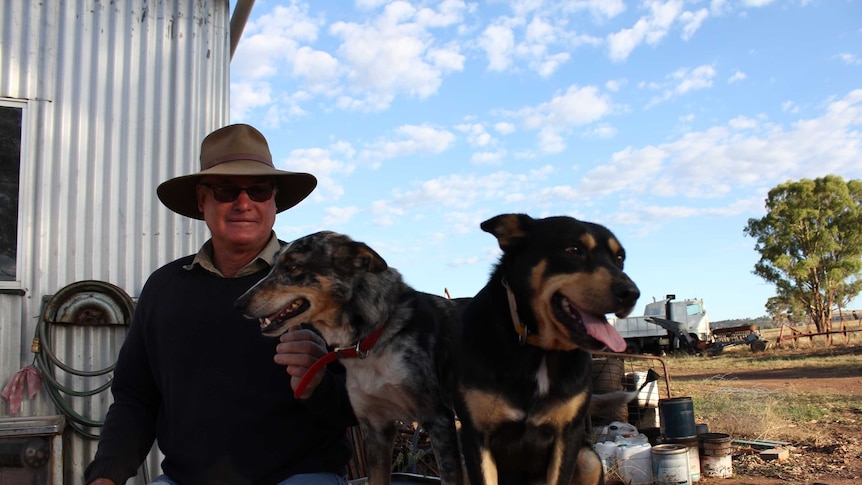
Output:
x=402 y=339
x=525 y=382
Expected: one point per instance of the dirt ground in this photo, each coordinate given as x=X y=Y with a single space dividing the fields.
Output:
x=838 y=462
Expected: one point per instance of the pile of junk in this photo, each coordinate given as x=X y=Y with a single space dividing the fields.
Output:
x=653 y=440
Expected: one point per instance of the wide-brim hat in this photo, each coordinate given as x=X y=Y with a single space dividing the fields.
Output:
x=237 y=150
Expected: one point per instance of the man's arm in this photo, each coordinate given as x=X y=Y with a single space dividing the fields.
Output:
x=129 y=429
x=326 y=394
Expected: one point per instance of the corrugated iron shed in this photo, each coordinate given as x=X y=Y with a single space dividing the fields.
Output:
x=115 y=98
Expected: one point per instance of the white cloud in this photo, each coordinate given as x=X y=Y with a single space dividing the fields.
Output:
x=476 y=134
x=550 y=141
x=615 y=84
x=395 y=54
x=743 y=154
x=411 y=139
x=463 y=261
x=577 y=106
x=599 y=8
x=648 y=215
x=488 y=158
x=540 y=35
x=723 y=7
x=319 y=70
x=628 y=169
x=337 y=216
x=654 y=26
x=737 y=76
x=622 y=43
x=325 y=165
x=391 y=54
x=504 y=128
x=464 y=191
x=547 y=66
x=498 y=42
x=603 y=130
x=742 y=123
x=697 y=78
x=692 y=21
x=789 y=107
x=539 y=32
x=247 y=96
x=849 y=59
x=383 y=213
x=684 y=80
x=272 y=39
x=718 y=7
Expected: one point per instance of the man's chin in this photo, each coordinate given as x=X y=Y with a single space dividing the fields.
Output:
x=243 y=234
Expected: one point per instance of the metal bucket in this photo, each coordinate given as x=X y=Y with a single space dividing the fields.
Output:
x=677 y=417
x=670 y=465
x=716 y=455
x=693 y=446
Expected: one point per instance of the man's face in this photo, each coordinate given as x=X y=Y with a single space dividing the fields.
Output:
x=243 y=222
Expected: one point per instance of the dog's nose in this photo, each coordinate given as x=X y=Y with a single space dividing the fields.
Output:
x=626 y=293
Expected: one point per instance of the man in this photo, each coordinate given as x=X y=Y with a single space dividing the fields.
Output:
x=200 y=379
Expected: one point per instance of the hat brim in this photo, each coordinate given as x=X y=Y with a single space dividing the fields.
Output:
x=179 y=194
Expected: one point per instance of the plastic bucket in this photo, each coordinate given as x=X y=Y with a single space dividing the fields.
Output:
x=716 y=455
x=677 y=417
x=648 y=396
x=618 y=428
x=634 y=463
x=607 y=451
x=670 y=465
x=693 y=446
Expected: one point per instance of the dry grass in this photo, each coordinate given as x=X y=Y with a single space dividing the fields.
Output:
x=759 y=413
x=850 y=333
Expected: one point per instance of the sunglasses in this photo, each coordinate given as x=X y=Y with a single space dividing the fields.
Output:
x=228 y=193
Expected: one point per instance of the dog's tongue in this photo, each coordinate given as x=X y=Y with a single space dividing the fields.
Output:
x=604 y=332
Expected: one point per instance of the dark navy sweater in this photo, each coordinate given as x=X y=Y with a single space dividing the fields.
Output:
x=197 y=376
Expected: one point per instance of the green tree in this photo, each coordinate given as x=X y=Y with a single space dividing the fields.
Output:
x=783 y=311
x=810 y=245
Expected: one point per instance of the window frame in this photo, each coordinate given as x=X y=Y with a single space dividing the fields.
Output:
x=15 y=285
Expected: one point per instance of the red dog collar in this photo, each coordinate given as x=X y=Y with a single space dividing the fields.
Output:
x=359 y=350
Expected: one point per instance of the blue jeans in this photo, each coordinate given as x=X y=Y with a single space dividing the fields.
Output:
x=303 y=479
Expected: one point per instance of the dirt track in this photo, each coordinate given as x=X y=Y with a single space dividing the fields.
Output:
x=838 y=462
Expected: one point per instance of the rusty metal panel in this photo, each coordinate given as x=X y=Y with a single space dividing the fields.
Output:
x=117 y=96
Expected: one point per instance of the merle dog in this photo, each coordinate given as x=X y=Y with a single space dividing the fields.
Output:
x=402 y=340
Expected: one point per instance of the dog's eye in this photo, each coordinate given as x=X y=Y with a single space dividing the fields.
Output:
x=620 y=259
x=293 y=270
x=574 y=251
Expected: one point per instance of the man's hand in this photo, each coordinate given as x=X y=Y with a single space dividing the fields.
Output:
x=102 y=481
x=299 y=349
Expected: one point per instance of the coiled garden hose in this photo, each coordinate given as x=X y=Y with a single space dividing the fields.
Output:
x=46 y=361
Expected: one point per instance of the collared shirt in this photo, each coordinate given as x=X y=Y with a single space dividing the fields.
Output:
x=264 y=259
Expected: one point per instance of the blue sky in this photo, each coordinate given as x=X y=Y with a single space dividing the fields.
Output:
x=667 y=121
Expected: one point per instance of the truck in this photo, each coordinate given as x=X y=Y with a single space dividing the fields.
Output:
x=667 y=325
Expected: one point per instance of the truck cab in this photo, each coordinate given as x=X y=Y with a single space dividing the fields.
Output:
x=667 y=325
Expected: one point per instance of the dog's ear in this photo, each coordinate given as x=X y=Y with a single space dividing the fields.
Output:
x=358 y=256
x=369 y=260
x=509 y=229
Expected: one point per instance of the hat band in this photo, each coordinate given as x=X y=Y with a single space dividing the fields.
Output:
x=240 y=156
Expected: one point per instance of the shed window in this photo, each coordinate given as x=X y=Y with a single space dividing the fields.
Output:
x=10 y=168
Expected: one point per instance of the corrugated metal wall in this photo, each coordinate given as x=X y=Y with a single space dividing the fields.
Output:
x=118 y=96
